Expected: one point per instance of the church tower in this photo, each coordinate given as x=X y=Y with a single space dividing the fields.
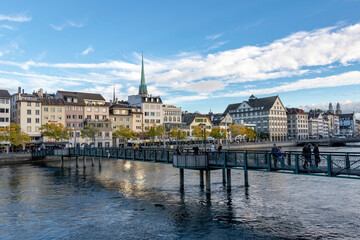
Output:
x=331 y=108
x=338 y=110
x=142 y=88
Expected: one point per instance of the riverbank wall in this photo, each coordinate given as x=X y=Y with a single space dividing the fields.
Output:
x=21 y=158
x=265 y=146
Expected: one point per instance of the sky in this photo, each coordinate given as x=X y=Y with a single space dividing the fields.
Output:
x=198 y=55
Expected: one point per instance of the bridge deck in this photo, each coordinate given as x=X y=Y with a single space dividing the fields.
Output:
x=331 y=164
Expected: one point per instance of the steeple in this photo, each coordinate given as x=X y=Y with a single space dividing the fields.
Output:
x=142 y=87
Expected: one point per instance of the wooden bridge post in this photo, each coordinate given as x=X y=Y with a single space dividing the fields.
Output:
x=134 y=154
x=76 y=161
x=155 y=157
x=246 y=177
x=329 y=165
x=268 y=158
x=62 y=161
x=84 y=161
x=69 y=162
x=92 y=161
x=228 y=175
x=223 y=170
x=347 y=161
x=167 y=156
x=181 y=178
x=297 y=163
x=100 y=162
x=208 y=182
x=201 y=178
x=289 y=159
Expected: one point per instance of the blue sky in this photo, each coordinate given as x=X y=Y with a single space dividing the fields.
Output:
x=198 y=55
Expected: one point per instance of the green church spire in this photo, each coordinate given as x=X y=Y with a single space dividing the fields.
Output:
x=142 y=87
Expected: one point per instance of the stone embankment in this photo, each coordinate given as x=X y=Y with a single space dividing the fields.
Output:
x=267 y=145
x=20 y=158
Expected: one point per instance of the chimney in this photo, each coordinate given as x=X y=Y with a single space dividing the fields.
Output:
x=40 y=93
x=19 y=89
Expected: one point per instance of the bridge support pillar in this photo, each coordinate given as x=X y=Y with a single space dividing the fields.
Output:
x=69 y=161
x=84 y=162
x=223 y=176
x=246 y=178
x=62 y=161
x=228 y=176
x=208 y=187
x=99 y=162
x=92 y=161
x=181 y=178
x=76 y=162
x=201 y=178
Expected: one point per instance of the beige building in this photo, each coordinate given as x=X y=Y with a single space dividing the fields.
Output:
x=5 y=99
x=121 y=114
x=53 y=111
x=192 y=120
x=297 y=121
x=268 y=114
x=26 y=112
x=172 y=117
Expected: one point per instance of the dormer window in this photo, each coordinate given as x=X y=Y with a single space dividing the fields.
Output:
x=68 y=99
x=75 y=100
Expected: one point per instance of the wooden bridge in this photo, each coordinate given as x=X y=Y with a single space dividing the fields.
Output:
x=332 y=164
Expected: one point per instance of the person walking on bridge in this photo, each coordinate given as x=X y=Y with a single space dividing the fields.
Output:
x=274 y=154
x=317 y=155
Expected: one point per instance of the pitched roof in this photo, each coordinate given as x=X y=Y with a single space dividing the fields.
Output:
x=89 y=96
x=231 y=107
x=189 y=117
x=52 y=101
x=254 y=102
x=4 y=94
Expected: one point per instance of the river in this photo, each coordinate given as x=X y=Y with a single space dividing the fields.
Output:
x=135 y=200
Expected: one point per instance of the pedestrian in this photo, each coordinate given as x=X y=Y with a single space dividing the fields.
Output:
x=196 y=150
x=316 y=155
x=220 y=148
x=178 y=150
x=307 y=155
x=212 y=148
x=274 y=154
x=281 y=157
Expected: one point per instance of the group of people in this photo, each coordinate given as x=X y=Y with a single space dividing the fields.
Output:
x=306 y=151
x=278 y=154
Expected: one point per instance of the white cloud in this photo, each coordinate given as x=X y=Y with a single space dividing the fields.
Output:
x=73 y=24
x=15 y=18
x=57 y=28
x=8 y=27
x=88 y=50
x=213 y=37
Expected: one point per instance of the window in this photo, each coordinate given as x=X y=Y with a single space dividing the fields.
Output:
x=158 y=114
x=59 y=110
x=88 y=109
x=104 y=117
x=68 y=125
x=146 y=106
x=29 y=121
x=37 y=112
x=137 y=116
x=146 y=120
x=37 y=120
x=36 y=129
x=68 y=116
x=96 y=109
x=68 y=99
x=114 y=119
x=152 y=114
x=127 y=119
x=88 y=117
x=107 y=134
x=68 y=108
x=157 y=120
x=157 y=106
x=80 y=125
x=104 y=110
x=80 y=116
x=52 y=117
x=28 y=129
x=146 y=113
x=75 y=100
x=97 y=117
x=28 y=112
x=138 y=127
x=29 y=105
x=46 y=109
x=52 y=109
x=74 y=116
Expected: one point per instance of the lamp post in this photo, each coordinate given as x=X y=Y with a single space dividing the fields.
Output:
x=203 y=129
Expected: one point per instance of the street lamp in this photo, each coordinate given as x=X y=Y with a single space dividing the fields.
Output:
x=203 y=129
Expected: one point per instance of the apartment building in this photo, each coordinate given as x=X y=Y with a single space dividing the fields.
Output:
x=192 y=120
x=268 y=114
x=297 y=123
x=5 y=99
x=172 y=117
x=122 y=114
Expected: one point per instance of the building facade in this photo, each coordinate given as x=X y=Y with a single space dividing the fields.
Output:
x=172 y=117
x=347 y=124
x=268 y=114
x=5 y=108
x=297 y=123
x=192 y=120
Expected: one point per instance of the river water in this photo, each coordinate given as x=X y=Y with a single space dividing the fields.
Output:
x=135 y=200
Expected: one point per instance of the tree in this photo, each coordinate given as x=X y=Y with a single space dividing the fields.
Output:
x=124 y=133
x=218 y=133
x=199 y=133
x=90 y=132
x=156 y=131
x=14 y=135
x=246 y=132
x=56 y=131
x=177 y=133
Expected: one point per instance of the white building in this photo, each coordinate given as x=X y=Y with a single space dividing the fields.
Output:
x=172 y=117
x=5 y=106
x=316 y=125
x=297 y=123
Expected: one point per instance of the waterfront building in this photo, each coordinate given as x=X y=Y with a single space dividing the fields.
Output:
x=172 y=117
x=53 y=110
x=195 y=119
x=5 y=99
x=87 y=108
x=316 y=125
x=347 y=124
x=267 y=113
x=333 y=123
x=151 y=106
x=357 y=127
x=122 y=114
x=26 y=112
x=297 y=123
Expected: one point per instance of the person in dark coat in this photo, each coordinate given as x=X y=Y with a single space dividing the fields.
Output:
x=307 y=155
x=274 y=153
x=316 y=155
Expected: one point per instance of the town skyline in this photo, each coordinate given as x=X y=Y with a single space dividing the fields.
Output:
x=200 y=57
